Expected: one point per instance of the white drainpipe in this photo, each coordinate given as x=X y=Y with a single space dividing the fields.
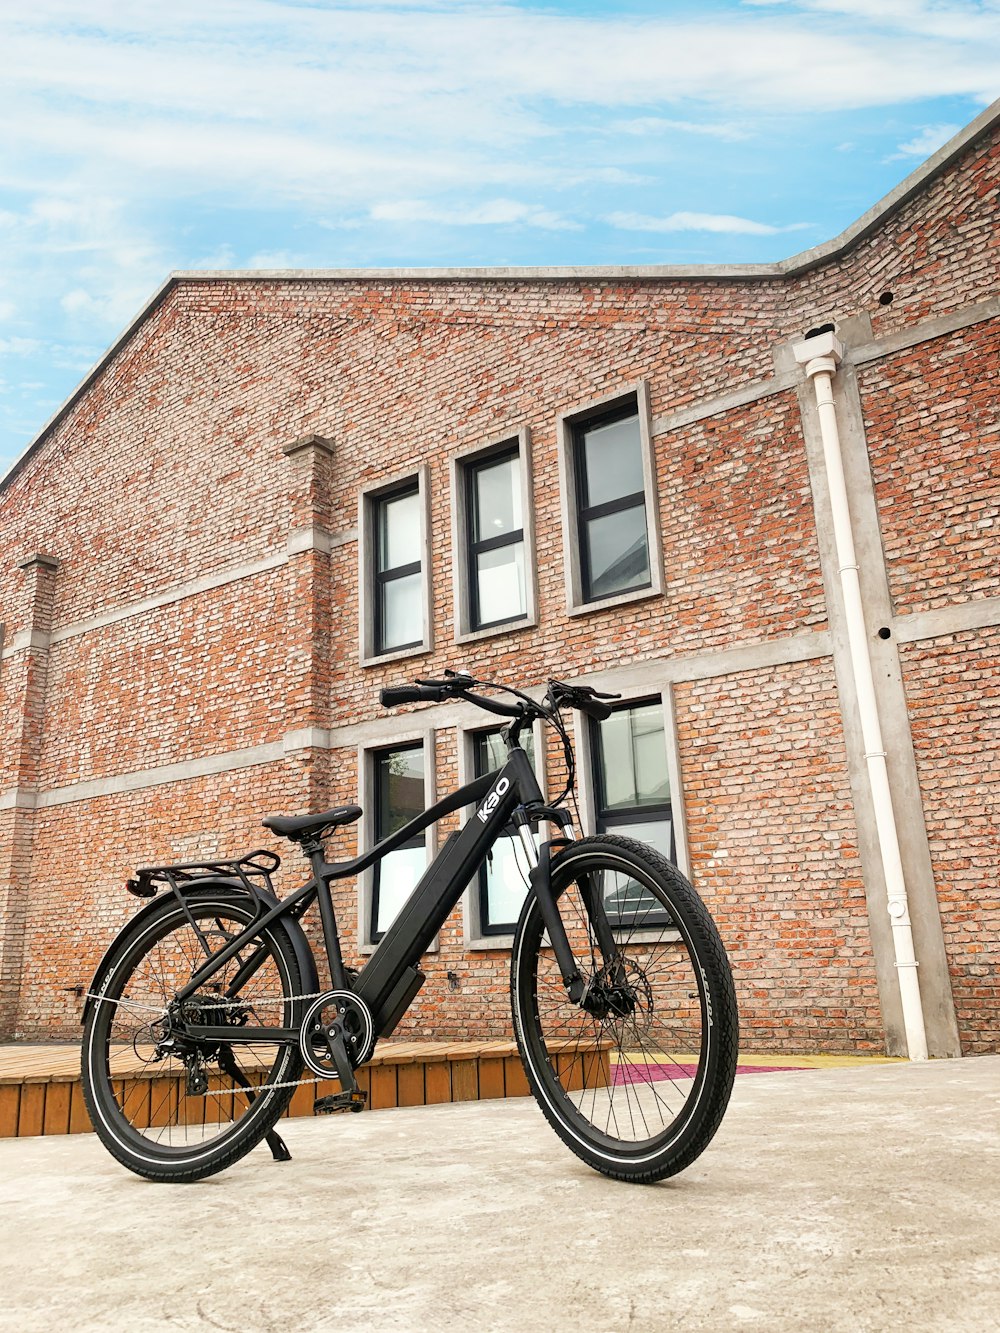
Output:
x=820 y=355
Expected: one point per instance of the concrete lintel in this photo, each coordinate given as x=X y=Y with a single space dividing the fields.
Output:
x=306 y=738
x=726 y=402
x=959 y=618
x=657 y=673
x=313 y=538
x=184 y=771
x=318 y=442
x=25 y=639
x=40 y=561
x=927 y=330
x=18 y=798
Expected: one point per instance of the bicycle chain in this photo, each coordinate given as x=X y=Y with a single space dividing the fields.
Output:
x=228 y=1004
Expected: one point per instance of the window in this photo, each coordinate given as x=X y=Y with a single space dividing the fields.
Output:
x=632 y=794
x=399 y=602
x=493 y=538
x=611 y=504
x=495 y=579
x=610 y=524
x=399 y=797
x=501 y=886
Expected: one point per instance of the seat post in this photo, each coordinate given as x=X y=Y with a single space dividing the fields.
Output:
x=313 y=849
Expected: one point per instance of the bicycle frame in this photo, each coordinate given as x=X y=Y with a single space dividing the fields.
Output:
x=389 y=980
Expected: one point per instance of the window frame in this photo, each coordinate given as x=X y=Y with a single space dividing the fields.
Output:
x=571 y=426
x=371 y=579
x=368 y=755
x=635 y=814
x=632 y=695
x=463 y=465
x=473 y=935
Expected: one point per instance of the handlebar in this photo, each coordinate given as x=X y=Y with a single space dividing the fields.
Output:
x=456 y=686
x=393 y=695
x=523 y=711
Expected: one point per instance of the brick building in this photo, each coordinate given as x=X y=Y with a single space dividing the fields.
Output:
x=278 y=492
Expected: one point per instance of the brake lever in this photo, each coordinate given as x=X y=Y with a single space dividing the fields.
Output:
x=454 y=680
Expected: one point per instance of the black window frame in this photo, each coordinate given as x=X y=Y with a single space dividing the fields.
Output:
x=639 y=814
x=376 y=758
x=381 y=577
x=510 y=451
x=586 y=513
x=486 y=928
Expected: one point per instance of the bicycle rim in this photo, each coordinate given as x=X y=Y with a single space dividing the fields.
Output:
x=145 y=1099
x=639 y=1087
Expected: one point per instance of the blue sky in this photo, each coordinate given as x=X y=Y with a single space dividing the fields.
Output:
x=138 y=139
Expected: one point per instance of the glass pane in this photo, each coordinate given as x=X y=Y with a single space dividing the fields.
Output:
x=498 y=499
x=633 y=758
x=617 y=552
x=491 y=753
x=400 y=789
x=398 y=875
x=505 y=886
x=628 y=903
x=658 y=833
x=500 y=584
x=399 y=531
x=402 y=612
x=612 y=461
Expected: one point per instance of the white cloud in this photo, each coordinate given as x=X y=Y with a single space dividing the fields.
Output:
x=730 y=131
x=926 y=143
x=138 y=136
x=490 y=213
x=717 y=222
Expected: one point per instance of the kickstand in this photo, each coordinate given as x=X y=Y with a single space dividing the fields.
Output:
x=279 y=1149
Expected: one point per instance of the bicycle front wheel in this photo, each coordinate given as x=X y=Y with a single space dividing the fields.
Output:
x=637 y=1080
x=165 y=1107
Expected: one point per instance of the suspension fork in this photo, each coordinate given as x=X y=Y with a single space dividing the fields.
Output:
x=539 y=875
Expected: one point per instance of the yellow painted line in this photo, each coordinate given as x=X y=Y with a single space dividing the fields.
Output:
x=816 y=1061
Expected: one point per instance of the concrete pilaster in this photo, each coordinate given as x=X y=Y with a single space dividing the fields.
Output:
x=934 y=980
x=310 y=639
x=18 y=817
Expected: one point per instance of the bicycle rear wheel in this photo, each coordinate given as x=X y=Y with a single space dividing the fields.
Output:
x=165 y=1108
x=637 y=1083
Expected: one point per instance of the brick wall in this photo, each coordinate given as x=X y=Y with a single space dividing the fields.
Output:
x=932 y=420
x=953 y=687
x=172 y=466
x=774 y=853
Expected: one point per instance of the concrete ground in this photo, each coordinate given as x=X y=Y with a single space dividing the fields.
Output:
x=832 y=1199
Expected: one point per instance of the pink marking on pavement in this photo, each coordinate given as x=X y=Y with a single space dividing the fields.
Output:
x=654 y=1073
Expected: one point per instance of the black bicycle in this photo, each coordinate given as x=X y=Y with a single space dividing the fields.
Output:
x=623 y=1001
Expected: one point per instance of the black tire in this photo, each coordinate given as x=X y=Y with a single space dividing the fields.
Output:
x=199 y=1133
x=637 y=1095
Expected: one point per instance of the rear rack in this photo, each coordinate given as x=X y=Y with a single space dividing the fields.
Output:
x=255 y=866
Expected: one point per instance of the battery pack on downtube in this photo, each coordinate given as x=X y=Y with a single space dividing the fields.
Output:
x=435 y=896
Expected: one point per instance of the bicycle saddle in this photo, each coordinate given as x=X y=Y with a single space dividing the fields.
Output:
x=298 y=827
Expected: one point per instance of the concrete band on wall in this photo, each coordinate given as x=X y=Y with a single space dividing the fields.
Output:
x=298 y=561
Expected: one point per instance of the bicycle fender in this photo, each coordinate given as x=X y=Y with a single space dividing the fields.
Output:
x=234 y=887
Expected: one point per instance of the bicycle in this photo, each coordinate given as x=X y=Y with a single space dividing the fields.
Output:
x=623 y=1003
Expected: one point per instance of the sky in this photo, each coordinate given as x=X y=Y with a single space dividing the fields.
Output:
x=142 y=138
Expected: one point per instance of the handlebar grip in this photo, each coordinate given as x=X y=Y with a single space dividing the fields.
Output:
x=600 y=712
x=393 y=695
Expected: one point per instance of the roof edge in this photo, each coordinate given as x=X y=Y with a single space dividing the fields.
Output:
x=782 y=269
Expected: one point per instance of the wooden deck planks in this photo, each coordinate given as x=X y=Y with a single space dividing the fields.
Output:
x=40 y=1090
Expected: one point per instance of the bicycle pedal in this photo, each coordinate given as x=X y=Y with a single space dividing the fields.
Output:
x=340 y=1101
